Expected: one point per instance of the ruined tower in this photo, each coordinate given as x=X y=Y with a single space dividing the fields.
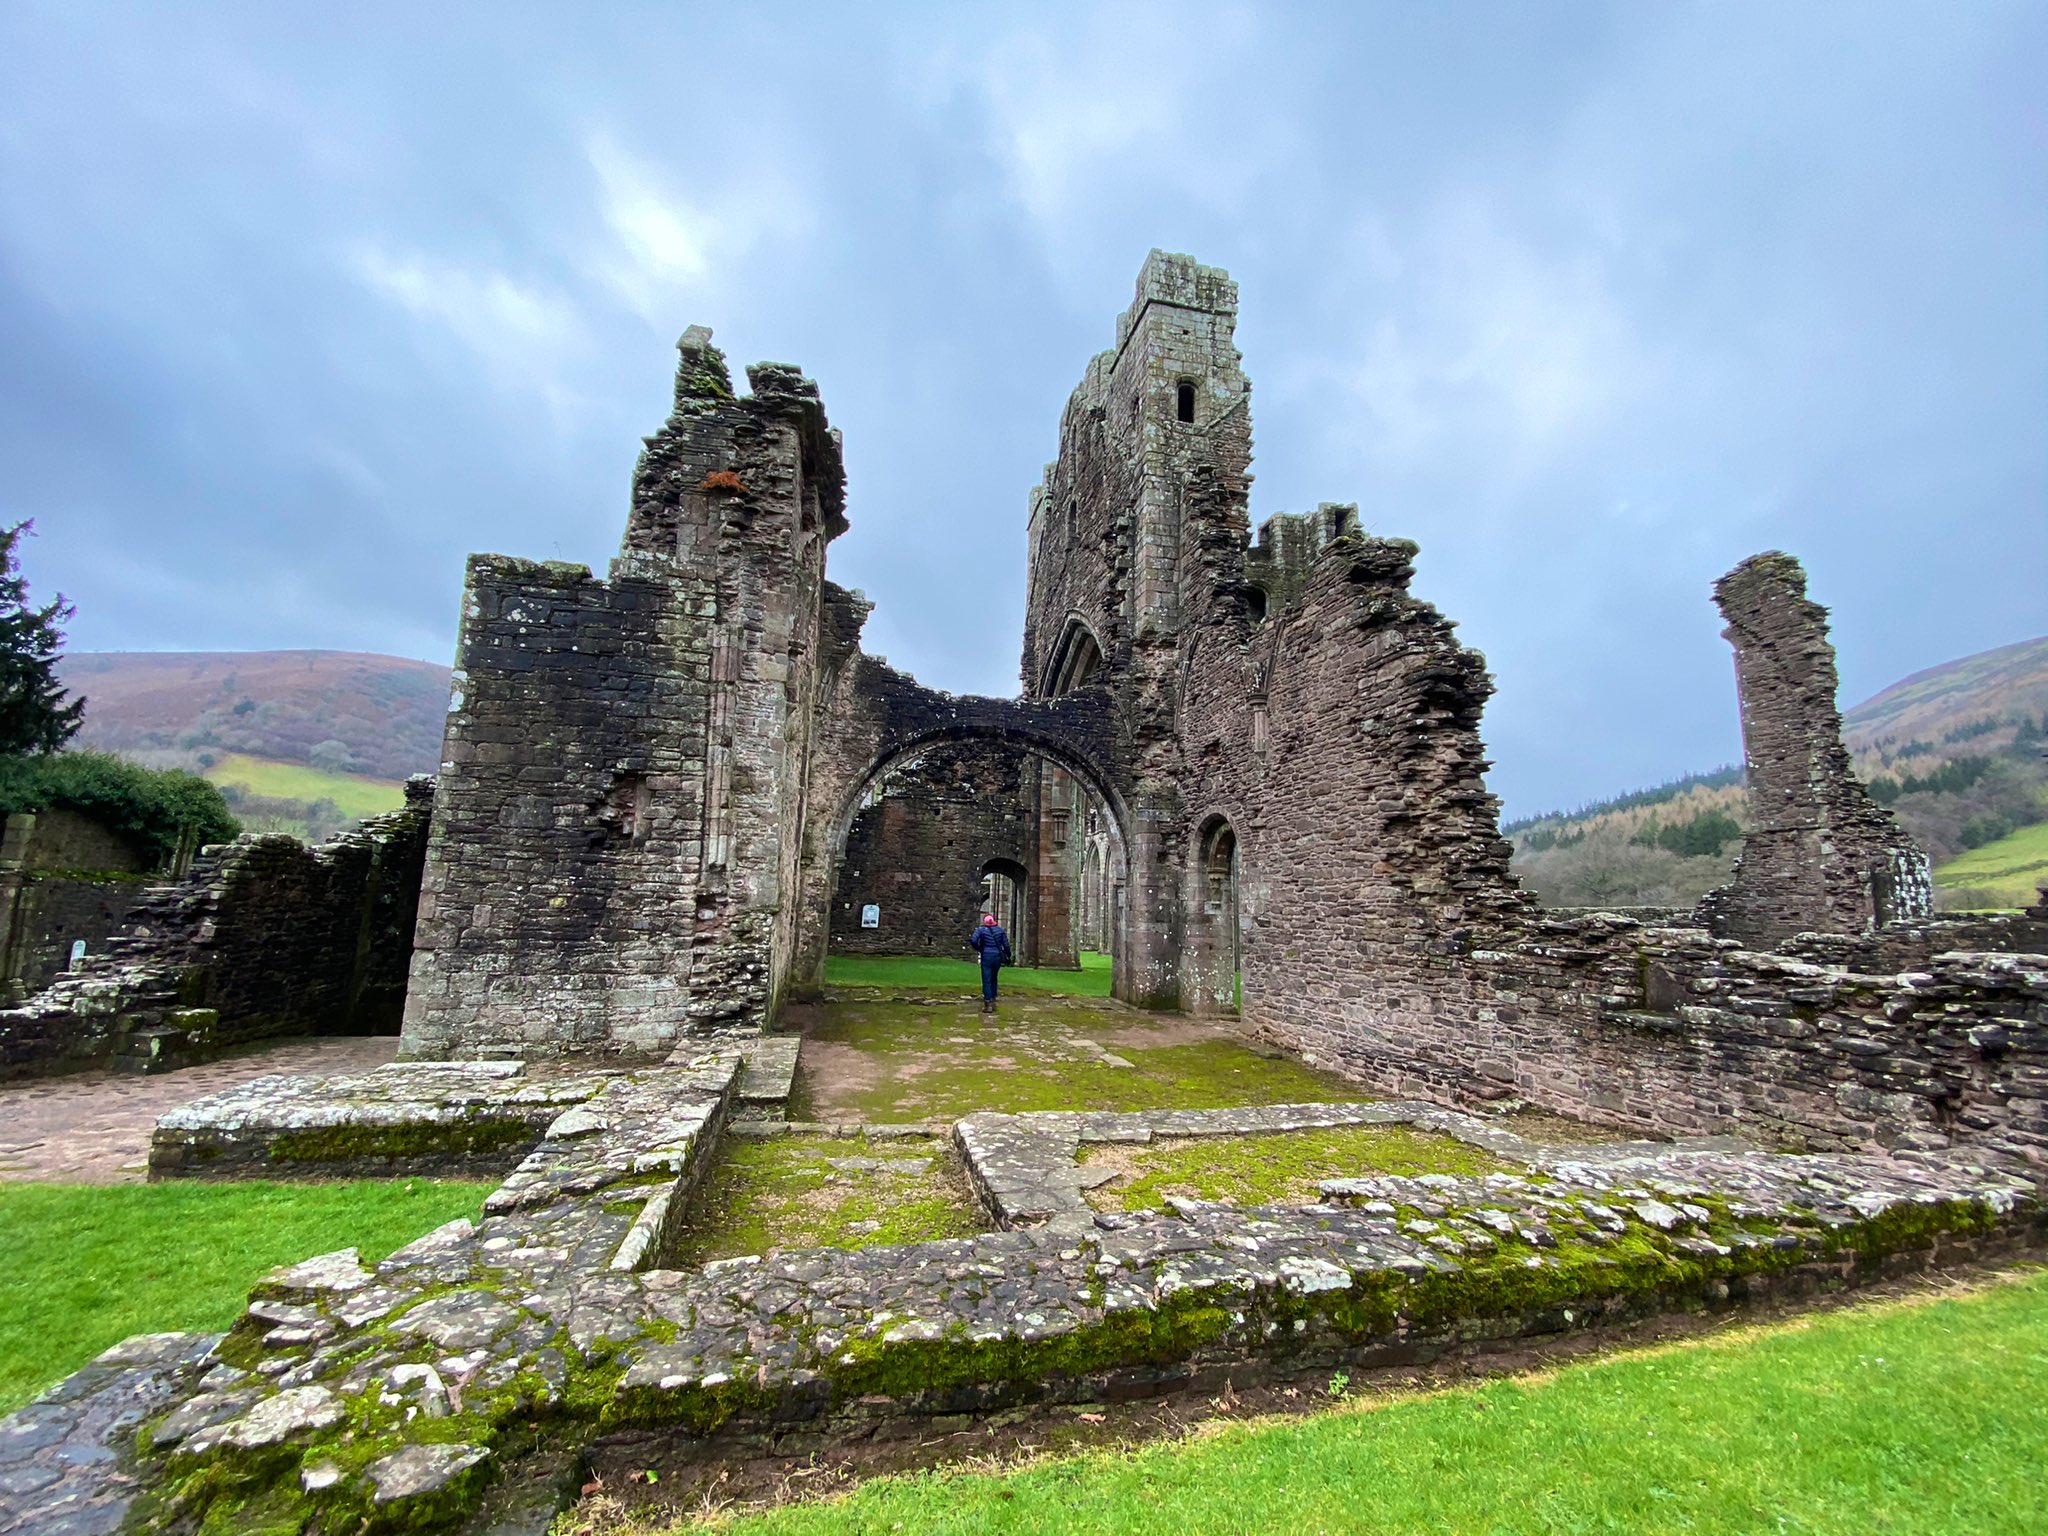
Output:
x=1822 y=856
x=617 y=826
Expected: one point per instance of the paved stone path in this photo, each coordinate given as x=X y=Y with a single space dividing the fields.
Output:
x=94 y=1127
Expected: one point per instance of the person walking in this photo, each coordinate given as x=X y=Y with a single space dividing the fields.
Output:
x=993 y=945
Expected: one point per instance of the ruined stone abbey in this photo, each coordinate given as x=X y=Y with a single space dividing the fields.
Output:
x=1240 y=765
x=1247 y=766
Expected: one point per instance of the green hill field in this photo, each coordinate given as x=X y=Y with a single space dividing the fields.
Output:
x=2007 y=873
x=354 y=795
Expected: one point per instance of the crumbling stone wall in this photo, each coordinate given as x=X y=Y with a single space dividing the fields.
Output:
x=617 y=834
x=1821 y=855
x=64 y=880
x=264 y=936
x=654 y=783
x=1301 y=735
x=918 y=849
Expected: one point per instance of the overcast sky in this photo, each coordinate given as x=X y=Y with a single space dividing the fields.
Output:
x=299 y=306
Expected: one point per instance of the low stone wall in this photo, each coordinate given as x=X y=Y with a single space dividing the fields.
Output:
x=1026 y=1171
x=263 y=937
x=54 y=909
x=406 y=1119
x=388 y=1397
x=64 y=879
x=1670 y=1031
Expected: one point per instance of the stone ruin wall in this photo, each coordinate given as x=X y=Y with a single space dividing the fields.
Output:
x=1135 y=498
x=64 y=879
x=1294 y=691
x=263 y=937
x=618 y=828
x=654 y=784
x=1821 y=855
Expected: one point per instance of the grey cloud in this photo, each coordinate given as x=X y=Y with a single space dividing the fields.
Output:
x=1590 y=300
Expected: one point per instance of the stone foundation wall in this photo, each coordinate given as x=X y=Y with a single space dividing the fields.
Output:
x=263 y=937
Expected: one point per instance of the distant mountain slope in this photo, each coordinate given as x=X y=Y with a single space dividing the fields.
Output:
x=340 y=711
x=1935 y=705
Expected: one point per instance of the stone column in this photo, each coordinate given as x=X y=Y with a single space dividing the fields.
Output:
x=1822 y=856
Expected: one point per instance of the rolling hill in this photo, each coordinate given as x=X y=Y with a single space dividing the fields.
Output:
x=1937 y=706
x=345 y=712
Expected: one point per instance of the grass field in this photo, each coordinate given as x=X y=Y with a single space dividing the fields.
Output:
x=2013 y=868
x=964 y=975
x=355 y=795
x=85 y=1265
x=1927 y=1417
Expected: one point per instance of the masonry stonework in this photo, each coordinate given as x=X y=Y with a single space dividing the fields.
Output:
x=1821 y=854
x=263 y=937
x=1251 y=768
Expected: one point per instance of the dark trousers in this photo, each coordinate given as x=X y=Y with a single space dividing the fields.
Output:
x=988 y=979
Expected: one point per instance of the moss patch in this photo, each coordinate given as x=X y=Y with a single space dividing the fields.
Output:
x=420 y=1138
x=1282 y=1168
x=815 y=1192
x=893 y=1060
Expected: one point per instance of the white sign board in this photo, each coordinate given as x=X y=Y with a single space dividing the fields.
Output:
x=871 y=916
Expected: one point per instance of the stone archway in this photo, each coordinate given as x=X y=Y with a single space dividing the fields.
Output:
x=1060 y=737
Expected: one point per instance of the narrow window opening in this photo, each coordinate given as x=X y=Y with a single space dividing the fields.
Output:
x=1184 y=401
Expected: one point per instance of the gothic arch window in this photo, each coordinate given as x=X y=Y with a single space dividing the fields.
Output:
x=1184 y=400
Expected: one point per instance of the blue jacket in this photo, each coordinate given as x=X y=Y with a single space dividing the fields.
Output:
x=992 y=943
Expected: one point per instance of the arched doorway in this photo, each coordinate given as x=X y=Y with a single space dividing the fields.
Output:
x=1004 y=883
x=1214 y=933
x=1065 y=811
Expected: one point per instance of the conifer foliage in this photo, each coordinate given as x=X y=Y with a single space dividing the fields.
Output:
x=35 y=715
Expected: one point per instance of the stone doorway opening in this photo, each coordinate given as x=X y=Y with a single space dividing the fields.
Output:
x=1004 y=884
x=1214 y=955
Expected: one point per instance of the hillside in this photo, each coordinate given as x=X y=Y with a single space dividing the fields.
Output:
x=345 y=712
x=1945 y=704
x=2006 y=873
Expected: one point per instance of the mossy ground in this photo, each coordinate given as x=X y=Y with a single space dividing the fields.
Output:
x=881 y=1060
x=812 y=1192
x=941 y=974
x=1278 y=1169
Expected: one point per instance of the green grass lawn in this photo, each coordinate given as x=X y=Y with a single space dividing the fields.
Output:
x=354 y=795
x=2012 y=870
x=938 y=973
x=86 y=1265
x=1921 y=1417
